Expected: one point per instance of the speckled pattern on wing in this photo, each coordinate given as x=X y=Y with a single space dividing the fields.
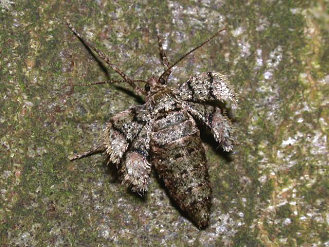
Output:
x=219 y=124
x=121 y=131
x=208 y=87
x=136 y=169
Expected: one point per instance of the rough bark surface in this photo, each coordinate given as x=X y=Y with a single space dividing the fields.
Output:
x=271 y=191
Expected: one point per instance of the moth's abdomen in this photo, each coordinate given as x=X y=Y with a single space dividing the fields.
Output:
x=179 y=159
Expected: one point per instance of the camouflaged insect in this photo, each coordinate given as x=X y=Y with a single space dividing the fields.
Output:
x=163 y=134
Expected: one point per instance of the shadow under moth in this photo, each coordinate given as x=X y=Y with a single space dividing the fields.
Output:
x=162 y=134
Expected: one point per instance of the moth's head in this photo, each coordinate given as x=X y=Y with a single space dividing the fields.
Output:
x=154 y=84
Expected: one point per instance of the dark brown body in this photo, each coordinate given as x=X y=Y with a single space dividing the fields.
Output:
x=179 y=158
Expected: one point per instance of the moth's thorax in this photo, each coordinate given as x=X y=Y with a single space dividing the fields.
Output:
x=163 y=101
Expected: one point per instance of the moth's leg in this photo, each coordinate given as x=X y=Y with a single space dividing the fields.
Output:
x=106 y=59
x=97 y=150
x=221 y=126
x=163 y=56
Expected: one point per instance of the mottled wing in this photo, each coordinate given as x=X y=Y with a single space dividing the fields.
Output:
x=206 y=96
x=206 y=88
x=179 y=159
x=219 y=124
x=121 y=130
x=135 y=168
x=126 y=141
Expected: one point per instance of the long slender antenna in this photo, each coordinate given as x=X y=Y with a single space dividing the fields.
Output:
x=105 y=58
x=163 y=56
x=188 y=53
x=105 y=82
x=97 y=83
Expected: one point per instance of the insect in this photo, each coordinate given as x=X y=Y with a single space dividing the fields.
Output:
x=163 y=133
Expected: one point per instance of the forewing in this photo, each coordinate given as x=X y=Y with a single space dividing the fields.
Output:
x=207 y=88
x=220 y=125
x=121 y=130
x=135 y=168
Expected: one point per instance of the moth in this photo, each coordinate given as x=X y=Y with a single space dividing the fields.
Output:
x=163 y=133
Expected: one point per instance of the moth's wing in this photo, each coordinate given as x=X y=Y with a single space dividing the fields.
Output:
x=127 y=146
x=121 y=131
x=135 y=168
x=210 y=87
x=220 y=125
x=206 y=96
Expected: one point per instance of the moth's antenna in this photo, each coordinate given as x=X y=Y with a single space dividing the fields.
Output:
x=105 y=82
x=188 y=53
x=163 y=56
x=105 y=58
